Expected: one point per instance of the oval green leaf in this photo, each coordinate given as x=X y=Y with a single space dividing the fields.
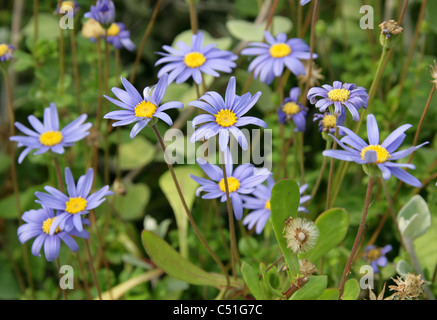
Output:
x=176 y=266
x=333 y=225
x=284 y=203
x=313 y=289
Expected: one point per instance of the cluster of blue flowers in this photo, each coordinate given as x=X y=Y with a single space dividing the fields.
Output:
x=62 y=215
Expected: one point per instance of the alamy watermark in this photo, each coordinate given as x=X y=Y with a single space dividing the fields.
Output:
x=66 y=281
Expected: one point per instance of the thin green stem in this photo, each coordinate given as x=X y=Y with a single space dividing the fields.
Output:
x=75 y=69
x=234 y=248
x=358 y=237
x=35 y=26
x=329 y=201
x=61 y=61
x=93 y=270
x=106 y=77
x=312 y=45
x=144 y=40
x=322 y=170
x=14 y=177
x=184 y=204
x=95 y=151
x=82 y=272
x=193 y=18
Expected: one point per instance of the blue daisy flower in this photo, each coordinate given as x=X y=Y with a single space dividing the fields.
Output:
x=47 y=135
x=276 y=54
x=259 y=204
x=141 y=109
x=376 y=154
x=192 y=61
x=103 y=12
x=6 y=52
x=329 y=122
x=291 y=109
x=119 y=36
x=242 y=180
x=78 y=202
x=376 y=256
x=38 y=224
x=225 y=116
x=340 y=95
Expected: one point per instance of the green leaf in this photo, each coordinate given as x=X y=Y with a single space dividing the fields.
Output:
x=414 y=218
x=131 y=206
x=333 y=225
x=284 y=204
x=250 y=276
x=426 y=248
x=329 y=294
x=176 y=266
x=186 y=36
x=48 y=27
x=136 y=153
x=249 y=31
x=8 y=205
x=403 y=268
x=351 y=290
x=313 y=289
x=188 y=187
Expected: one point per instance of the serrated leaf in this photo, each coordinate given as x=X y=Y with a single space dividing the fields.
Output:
x=176 y=266
x=313 y=289
x=333 y=225
x=284 y=204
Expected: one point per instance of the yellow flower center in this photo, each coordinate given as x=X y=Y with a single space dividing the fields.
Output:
x=329 y=121
x=267 y=206
x=3 y=49
x=67 y=5
x=233 y=184
x=373 y=254
x=382 y=154
x=47 y=224
x=50 y=138
x=280 y=50
x=225 y=118
x=145 y=109
x=194 y=60
x=339 y=95
x=291 y=108
x=113 y=30
x=75 y=205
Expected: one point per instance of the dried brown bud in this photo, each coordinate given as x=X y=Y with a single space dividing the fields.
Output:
x=408 y=289
x=390 y=30
x=307 y=268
